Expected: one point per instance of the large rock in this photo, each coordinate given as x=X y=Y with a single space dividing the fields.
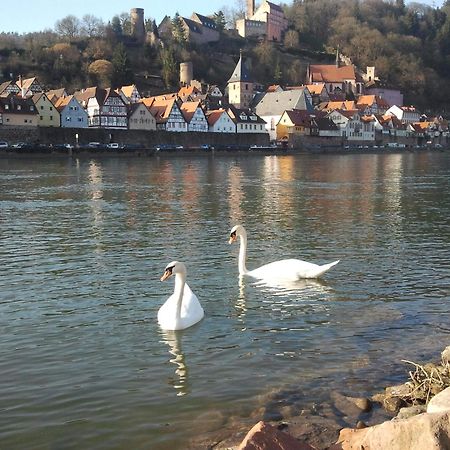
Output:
x=446 y=355
x=266 y=437
x=410 y=411
x=425 y=431
x=440 y=402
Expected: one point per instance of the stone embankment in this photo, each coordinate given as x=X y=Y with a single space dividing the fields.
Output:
x=142 y=138
x=422 y=419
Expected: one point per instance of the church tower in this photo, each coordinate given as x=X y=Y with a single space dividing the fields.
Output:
x=240 y=86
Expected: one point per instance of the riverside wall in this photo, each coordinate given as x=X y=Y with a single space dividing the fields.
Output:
x=147 y=139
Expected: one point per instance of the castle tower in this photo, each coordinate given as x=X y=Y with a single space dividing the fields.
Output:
x=250 y=8
x=240 y=86
x=186 y=73
x=137 y=24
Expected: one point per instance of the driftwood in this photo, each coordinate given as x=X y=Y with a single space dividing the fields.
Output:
x=426 y=381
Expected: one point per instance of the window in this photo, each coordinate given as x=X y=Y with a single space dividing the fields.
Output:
x=42 y=107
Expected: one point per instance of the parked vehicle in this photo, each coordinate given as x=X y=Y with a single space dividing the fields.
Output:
x=3 y=144
x=162 y=147
x=113 y=145
x=19 y=145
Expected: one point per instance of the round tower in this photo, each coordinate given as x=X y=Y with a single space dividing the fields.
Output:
x=137 y=24
x=186 y=73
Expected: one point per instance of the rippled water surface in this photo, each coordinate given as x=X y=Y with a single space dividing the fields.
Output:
x=83 y=362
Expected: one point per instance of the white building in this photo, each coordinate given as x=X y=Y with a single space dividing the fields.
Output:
x=219 y=121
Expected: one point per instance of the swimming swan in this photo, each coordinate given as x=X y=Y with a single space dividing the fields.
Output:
x=287 y=269
x=182 y=309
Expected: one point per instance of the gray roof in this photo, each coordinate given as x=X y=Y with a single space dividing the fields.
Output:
x=275 y=103
x=240 y=73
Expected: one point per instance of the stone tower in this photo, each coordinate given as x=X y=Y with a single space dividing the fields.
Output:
x=250 y=8
x=137 y=24
x=186 y=73
x=240 y=86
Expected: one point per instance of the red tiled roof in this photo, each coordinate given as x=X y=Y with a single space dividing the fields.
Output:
x=331 y=73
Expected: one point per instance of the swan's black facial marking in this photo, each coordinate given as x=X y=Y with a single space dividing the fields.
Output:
x=169 y=269
x=233 y=234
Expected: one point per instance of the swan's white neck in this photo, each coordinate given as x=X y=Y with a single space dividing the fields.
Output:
x=180 y=281
x=242 y=253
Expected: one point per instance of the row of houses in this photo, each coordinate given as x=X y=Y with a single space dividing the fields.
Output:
x=26 y=104
x=320 y=108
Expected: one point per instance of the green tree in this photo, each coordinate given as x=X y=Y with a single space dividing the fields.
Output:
x=178 y=32
x=219 y=19
x=116 y=26
x=122 y=75
x=169 y=67
x=277 y=73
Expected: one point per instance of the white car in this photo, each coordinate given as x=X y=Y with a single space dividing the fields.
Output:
x=3 y=144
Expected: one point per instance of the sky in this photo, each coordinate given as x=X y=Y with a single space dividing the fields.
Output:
x=38 y=15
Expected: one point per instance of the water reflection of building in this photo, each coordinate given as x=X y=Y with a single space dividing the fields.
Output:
x=392 y=176
x=191 y=194
x=235 y=194
x=279 y=189
x=180 y=381
x=95 y=180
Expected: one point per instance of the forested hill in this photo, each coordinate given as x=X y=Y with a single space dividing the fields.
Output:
x=408 y=44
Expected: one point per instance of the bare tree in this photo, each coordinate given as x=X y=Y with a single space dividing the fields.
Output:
x=92 y=26
x=233 y=13
x=68 y=27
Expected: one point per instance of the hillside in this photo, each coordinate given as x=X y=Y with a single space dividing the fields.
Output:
x=408 y=44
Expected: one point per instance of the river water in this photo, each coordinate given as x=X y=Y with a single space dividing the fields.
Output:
x=84 y=242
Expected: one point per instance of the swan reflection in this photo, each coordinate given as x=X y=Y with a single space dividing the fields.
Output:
x=180 y=381
x=280 y=286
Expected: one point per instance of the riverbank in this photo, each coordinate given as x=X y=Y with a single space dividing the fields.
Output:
x=28 y=150
x=391 y=419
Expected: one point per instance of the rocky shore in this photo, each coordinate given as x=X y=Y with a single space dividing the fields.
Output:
x=412 y=416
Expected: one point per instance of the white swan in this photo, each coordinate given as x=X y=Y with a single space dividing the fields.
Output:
x=182 y=309
x=284 y=269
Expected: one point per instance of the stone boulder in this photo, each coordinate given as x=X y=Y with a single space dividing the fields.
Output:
x=440 y=402
x=267 y=437
x=410 y=411
x=445 y=355
x=425 y=431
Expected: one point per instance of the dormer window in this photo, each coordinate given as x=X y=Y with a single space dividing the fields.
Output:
x=252 y=117
x=243 y=116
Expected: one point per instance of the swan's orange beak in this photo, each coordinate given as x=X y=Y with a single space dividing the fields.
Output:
x=166 y=275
